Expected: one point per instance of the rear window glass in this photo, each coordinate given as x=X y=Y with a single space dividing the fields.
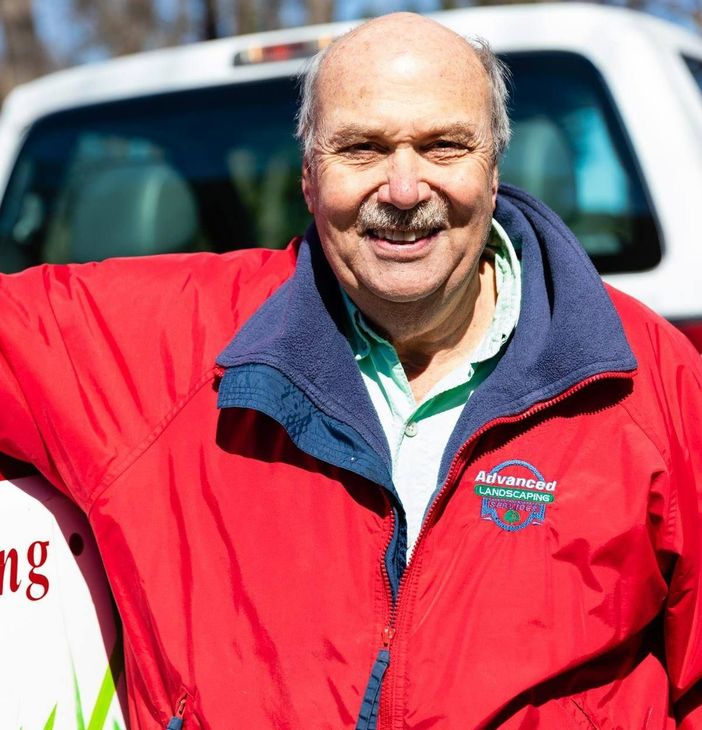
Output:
x=569 y=148
x=216 y=169
x=206 y=170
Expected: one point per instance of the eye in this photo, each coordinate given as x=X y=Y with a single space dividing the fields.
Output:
x=446 y=145
x=361 y=148
x=362 y=152
x=445 y=149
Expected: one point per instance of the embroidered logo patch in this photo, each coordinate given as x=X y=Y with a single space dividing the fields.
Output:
x=514 y=494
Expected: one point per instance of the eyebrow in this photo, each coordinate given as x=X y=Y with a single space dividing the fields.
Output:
x=460 y=130
x=351 y=132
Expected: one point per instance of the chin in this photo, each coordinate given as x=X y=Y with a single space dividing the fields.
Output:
x=403 y=294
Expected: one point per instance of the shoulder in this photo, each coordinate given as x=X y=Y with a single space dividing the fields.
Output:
x=151 y=289
x=667 y=395
x=649 y=334
x=178 y=271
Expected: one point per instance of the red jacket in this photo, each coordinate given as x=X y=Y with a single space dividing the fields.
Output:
x=256 y=550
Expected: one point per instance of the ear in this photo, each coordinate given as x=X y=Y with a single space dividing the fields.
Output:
x=494 y=184
x=308 y=185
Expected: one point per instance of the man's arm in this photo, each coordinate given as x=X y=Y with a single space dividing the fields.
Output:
x=94 y=357
x=26 y=347
x=683 y=612
x=669 y=373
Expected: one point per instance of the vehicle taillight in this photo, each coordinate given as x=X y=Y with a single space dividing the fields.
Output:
x=280 y=51
x=692 y=328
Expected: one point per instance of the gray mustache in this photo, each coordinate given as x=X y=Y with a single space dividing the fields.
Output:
x=429 y=214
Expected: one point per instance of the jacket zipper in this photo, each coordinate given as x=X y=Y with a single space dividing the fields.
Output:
x=176 y=722
x=367 y=716
x=390 y=629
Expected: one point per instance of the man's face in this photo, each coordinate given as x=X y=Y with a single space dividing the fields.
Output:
x=402 y=183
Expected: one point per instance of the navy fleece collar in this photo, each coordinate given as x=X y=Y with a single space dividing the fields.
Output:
x=299 y=332
x=568 y=330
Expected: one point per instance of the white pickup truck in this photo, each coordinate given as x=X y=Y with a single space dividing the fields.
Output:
x=192 y=149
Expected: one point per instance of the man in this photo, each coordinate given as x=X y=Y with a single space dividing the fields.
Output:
x=401 y=366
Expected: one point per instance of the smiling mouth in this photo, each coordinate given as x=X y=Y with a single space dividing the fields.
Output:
x=397 y=236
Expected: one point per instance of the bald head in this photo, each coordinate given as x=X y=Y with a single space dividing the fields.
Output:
x=394 y=35
x=398 y=44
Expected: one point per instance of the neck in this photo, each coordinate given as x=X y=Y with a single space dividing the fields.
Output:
x=433 y=340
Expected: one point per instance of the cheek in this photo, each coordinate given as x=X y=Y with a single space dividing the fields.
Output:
x=340 y=195
x=333 y=218
x=470 y=194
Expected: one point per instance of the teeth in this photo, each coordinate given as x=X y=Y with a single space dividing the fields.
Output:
x=392 y=235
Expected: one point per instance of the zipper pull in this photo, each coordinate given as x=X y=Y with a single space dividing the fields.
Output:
x=388 y=634
x=368 y=715
x=176 y=722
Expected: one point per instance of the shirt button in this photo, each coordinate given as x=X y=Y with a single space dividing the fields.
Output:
x=411 y=429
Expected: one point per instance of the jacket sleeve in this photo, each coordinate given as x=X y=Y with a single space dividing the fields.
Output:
x=95 y=357
x=669 y=413
x=75 y=357
x=682 y=376
x=28 y=335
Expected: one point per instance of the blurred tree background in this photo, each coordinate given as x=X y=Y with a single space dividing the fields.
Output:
x=38 y=36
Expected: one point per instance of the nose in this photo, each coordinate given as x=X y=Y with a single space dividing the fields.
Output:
x=404 y=187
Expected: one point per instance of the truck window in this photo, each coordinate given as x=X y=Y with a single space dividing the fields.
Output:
x=218 y=168
x=210 y=169
x=570 y=149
